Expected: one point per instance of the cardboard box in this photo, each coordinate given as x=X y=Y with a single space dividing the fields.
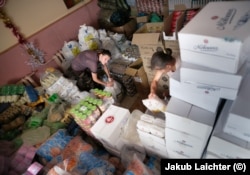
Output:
x=224 y=145
x=208 y=155
x=238 y=120
x=152 y=144
x=137 y=71
x=182 y=92
x=210 y=81
x=218 y=36
x=127 y=29
x=116 y=147
x=167 y=34
x=180 y=142
x=148 y=38
x=225 y=149
x=109 y=126
x=174 y=46
x=142 y=19
x=185 y=117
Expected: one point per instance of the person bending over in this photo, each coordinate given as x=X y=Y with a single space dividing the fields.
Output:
x=161 y=62
x=90 y=59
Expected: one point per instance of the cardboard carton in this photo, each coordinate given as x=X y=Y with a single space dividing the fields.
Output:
x=137 y=71
x=109 y=126
x=142 y=19
x=167 y=33
x=182 y=92
x=127 y=29
x=218 y=36
x=185 y=117
x=206 y=80
x=223 y=145
x=238 y=120
x=183 y=145
x=148 y=38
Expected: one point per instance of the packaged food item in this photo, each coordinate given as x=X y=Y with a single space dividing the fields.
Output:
x=155 y=104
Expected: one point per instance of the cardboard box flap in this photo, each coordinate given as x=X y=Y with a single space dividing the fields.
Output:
x=143 y=19
x=152 y=27
x=180 y=7
x=149 y=33
x=136 y=64
x=150 y=38
x=131 y=72
x=167 y=35
x=134 y=67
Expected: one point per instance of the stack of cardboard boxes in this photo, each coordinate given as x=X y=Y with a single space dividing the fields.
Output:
x=188 y=128
x=214 y=47
x=208 y=114
x=150 y=38
x=151 y=132
x=231 y=135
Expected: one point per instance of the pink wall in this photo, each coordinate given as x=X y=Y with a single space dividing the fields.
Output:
x=13 y=63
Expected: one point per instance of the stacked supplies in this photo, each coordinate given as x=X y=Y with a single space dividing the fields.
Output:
x=232 y=128
x=213 y=48
x=151 y=130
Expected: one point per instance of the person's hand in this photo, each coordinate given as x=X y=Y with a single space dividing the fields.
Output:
x=151 y=95
x=110 y=79
x=109 y=83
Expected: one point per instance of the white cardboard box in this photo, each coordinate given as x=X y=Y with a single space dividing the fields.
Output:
x=218 y=36
x=238 y=121
x=185 y=117
x=209 y=155
x=183 y=92
x=223 y=145
x=152 y=144
x=109 y=126
x=226 y=150
x=116 y=147
x=189 y=145
x=210 y=81
x=155 y=140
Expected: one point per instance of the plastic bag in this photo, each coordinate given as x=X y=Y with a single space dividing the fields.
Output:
x=115 y=90
x=137 y=167
x=60 y=171
x=36 y=136
x=70 y=49
x=110 y=45
x=155 y=104
x=49 y=77
x=88 y=38
x=127 y=154
x=56 y=112
x=102 y=34
x=129 y=131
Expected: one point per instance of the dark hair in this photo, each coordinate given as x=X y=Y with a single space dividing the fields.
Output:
x=104 y=52
x=160 y=59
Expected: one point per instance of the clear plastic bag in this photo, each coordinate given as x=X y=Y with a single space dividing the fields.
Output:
x=115 y=90
x=137 y=167
x=56 y=112
x=155 y=104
